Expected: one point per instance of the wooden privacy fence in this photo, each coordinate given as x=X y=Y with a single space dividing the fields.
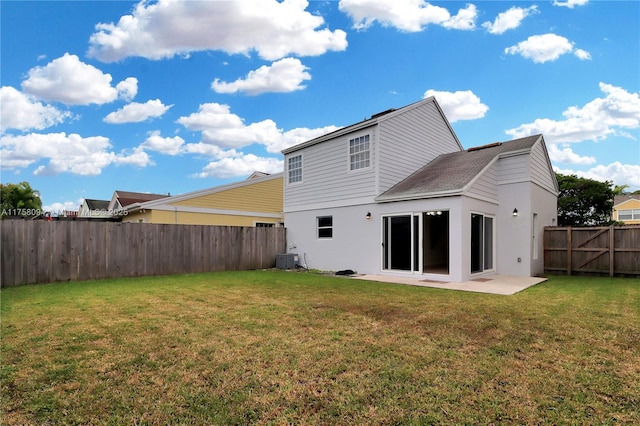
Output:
x=609 y=250
x=40 y=251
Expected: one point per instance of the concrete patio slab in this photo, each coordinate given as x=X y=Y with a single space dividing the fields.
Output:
x=492 y=284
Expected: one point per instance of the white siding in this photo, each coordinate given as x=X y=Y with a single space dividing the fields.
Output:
x=485 y=186
x=326 y=178
x=410 y=140
x=541 y=173
x=513 y=169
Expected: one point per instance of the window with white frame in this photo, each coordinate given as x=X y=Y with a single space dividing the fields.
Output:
x=359 y=153
x=265 y=225
x=295 y=169
x=325 y=227
x=631 y=214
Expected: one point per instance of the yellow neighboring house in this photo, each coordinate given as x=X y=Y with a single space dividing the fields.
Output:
x=626 y=208
x=257 y=201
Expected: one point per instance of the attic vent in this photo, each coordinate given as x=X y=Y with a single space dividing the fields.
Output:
x=380 y=114
x=478 y=148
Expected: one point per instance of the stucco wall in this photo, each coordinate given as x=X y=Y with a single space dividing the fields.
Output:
x=357 y=241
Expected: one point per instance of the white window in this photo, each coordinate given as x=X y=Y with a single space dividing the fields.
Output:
x=295 y=169
x=359 y=153
x=629 y=214
x=325 y=227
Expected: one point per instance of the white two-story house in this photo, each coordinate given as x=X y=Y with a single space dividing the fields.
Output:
x=397 y=194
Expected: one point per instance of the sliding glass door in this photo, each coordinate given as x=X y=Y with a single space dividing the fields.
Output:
x=417 y=242
x=481 y=243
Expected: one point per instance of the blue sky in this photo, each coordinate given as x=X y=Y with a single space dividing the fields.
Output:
x=177 y=96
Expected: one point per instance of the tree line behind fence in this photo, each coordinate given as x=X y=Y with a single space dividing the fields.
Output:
x=40 y=251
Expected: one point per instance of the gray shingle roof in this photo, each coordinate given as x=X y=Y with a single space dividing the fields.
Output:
x=450 y=173
x=619 y=199
x=126 y=198
x=97 y=204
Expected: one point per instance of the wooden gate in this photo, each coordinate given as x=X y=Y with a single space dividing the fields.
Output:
x=610 y=250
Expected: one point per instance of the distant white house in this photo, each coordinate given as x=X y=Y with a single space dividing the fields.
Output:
x=94 y=209
x=397 y=194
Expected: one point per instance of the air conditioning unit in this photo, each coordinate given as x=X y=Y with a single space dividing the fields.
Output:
x=286 y=260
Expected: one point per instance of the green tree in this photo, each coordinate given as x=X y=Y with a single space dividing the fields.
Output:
x=19 y=200
x=584 y=202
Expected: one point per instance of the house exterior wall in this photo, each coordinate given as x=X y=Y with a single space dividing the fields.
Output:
x=257 y=197
x=485 y=187
x=258 y=200
x=520 y=242
x=410 y=140
x=544 y=204
x=400 y=143
x=356 y=242
x=513 y=253
x=326 y=178
x=630 y=204
x=541 y=172
x=524 y=182
x=85 y=211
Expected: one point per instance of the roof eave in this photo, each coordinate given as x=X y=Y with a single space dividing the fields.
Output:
x=419 y=196
x=336 y=133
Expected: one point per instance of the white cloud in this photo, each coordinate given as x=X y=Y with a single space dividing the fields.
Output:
x=298 y=135
x=406 y=15
x=21 y=112
x=582 y=54
x=210 y=150
x=460 y=105
x=167 y=28
x=133 y=157
x=546 y=47
x=285 y=75
x=241 y=166
x=616 y=172
x=567 y=156
x=509 y=20
x=598 y=119
x=72 y=82
x=66 y=153
x=59 y=208
x=127 y=89
x=224 y=129
x=169 y=146
x=136 y=112
x=570 y=3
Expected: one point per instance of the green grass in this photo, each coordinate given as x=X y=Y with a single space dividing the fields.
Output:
x=274 y=347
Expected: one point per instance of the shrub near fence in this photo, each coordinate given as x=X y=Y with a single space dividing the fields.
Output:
x=37 y=251
x=603 y=250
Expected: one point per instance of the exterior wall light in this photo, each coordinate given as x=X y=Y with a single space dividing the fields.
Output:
x=515 y=212
x=368 y=216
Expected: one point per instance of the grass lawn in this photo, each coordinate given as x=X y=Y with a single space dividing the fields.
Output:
x=275 y=347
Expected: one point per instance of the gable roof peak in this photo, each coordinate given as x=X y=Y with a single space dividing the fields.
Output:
x=372 y=121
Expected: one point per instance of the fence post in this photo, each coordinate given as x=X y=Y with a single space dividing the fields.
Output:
x=612 y=250
x=569 y=244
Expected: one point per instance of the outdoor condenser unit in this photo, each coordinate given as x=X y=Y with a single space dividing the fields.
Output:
x=286 y=261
